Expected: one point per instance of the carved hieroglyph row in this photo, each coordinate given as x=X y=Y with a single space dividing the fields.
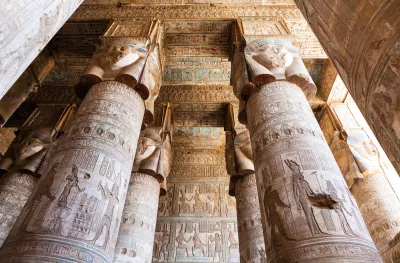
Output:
x=138 y=223
x=198 y=199
x=251 y=238
x=78 y=205
x=188 y=12
x=196 y=240
x=308 y=214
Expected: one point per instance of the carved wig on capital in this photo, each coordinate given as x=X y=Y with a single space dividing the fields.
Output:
x=239 y=155
x=271 y=59
x=153 y=155
x=27 y=151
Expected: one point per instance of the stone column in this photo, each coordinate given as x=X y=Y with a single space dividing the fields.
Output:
x=76 y=209
x=240 y=166
x=307 y=214
x=358 y=160
x=26 y=30
x=24 y=163
x=364 y=49
x=151 y=167
x=251 y=238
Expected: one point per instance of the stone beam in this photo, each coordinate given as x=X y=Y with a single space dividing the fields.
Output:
x=26 y=28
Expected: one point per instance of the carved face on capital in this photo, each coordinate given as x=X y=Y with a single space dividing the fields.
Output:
x=365 y=152
x=273 y=56
x=118 y=56
x=31 y=143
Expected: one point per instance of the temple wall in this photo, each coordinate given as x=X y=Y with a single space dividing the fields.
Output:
x=197 y=217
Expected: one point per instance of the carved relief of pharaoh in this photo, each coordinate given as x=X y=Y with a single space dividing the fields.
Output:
x=271 y=59
x=117 y=60
x=239 y=155
x=153 y=155
x=27 y=151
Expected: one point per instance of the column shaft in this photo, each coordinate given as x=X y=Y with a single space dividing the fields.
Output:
x=251 y=238
x=136 y=235
x=308 y=215
x=15 y=189
x=364 y=48
x=74 y=215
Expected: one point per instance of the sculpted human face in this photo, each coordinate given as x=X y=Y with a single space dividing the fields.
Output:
x=29 y=148
x=118 y=57
x=273 y=56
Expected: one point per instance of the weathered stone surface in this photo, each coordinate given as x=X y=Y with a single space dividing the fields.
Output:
x=364 y=50
x=307 y=213
x=17 y=94
x=26 y=28
x=79 y=202
x=251 y=238
x=136 y=234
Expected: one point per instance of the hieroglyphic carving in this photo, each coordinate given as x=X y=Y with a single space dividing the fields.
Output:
x=197 y=51
x=138 y=224
x=185 y=11
x=26 y=161
x=368 y=174
x=365 y=53
x=251 y=238
x=202 y=72
x=300 y=186
x=78 y=204
x=193 y=93
x=196 y=240
x=44 y=20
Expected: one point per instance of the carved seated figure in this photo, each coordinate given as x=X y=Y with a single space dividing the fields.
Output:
x=239 y=155
x=153 y=155
x=271 y=59
x=119 y=61
x=27 y=151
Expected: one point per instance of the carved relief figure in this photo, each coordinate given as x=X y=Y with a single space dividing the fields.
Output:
x=197 y=243
x=271 y=201
x=302 y=195
x=182 y=241
x=112 y=201
x=217 y=246
x=72 y=181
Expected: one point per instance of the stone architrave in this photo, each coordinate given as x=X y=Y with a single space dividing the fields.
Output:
x=359 y=162
x=307 y=215
x=364 y=49
x=78 y=206
x=27 y=27
x=17 y=94
x=151 y=167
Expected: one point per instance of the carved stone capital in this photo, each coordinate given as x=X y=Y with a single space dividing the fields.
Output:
x=238 y=154
x=271 y=59
x=153 y=156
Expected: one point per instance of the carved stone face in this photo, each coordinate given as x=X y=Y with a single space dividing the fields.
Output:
x=273 y=56
x=29 y=148
x=363 y=149
x=118 y=56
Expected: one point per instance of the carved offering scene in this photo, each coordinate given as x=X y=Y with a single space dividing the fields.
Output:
x=192 y=131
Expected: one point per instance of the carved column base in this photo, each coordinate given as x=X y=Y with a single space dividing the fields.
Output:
x=308 y=215
x=15 y=189
x=136 y=234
